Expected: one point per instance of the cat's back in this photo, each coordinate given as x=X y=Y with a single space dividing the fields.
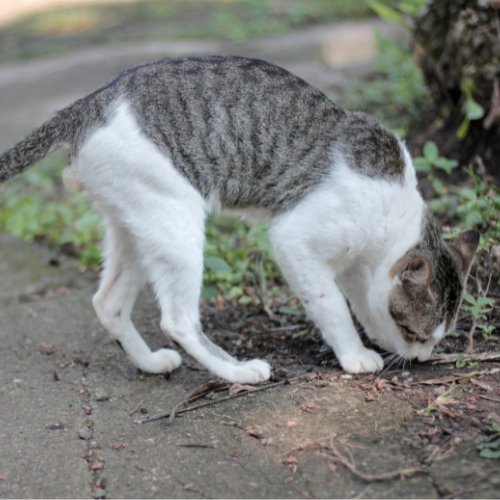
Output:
x=243 y=127
x=250 y=133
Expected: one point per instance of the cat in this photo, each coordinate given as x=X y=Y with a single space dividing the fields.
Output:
x=166 y=143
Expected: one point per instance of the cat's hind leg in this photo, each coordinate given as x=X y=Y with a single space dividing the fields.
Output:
x=121 y=281
x=172 y=254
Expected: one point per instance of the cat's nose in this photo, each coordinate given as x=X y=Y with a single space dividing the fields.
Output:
x=424 y=356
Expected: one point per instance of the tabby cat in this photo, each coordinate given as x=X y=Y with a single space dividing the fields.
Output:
x=165 y=144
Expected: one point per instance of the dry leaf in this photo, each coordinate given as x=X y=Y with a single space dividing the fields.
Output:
x=308 y=407
x=252 y=432
x=291 y=460
x=235 y=388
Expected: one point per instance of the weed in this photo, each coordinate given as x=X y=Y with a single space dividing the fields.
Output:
x=238 y=258
x=396 y=91
x=32 y=208
x=472 y=110
x=450 y=396
x=491 y=447
x=397 y=12
x=432 y=164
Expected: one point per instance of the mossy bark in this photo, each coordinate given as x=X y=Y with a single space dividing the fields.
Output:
x=457 y=45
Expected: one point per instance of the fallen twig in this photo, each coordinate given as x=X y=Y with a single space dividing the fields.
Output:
x=456 y=377
x=195 y=445
x=489 y=398
x=197 y=393
x=136 y=407
x=384 y=476
x=454 y=357
x=216 y=401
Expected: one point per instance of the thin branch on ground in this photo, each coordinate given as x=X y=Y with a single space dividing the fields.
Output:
x=384 y=476
x=217 y=401
x=489 y=398
x=457 y=377
x=454 y=357
x=136 y=407
x=197 y=393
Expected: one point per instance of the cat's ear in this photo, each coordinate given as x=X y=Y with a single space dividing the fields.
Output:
x=415 y=269
x=467 y=243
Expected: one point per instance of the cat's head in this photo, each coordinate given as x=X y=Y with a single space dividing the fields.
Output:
x=427 y=285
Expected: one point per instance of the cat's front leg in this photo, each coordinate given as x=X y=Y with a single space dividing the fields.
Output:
x=313 y=280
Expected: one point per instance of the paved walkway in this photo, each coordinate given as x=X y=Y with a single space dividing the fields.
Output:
x=69 y=402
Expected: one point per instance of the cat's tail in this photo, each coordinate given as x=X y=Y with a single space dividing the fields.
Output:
x=63 y=128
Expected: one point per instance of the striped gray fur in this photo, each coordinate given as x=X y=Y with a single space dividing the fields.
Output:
x=244 y=129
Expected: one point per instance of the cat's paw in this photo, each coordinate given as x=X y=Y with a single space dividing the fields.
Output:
x=250 y=372
x=162 y=361
x=365 y=361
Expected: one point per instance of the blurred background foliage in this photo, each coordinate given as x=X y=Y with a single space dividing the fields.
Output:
x=67 y=28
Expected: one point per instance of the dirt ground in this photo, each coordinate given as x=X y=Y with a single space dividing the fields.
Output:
x=71 y=403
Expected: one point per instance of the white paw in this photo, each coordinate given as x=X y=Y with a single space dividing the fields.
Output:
x=161 y=361
x=365 y=361
x=249 y=372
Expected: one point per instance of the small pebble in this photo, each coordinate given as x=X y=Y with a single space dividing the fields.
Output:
x=101 y=394
x=99 y=493
x=439 y=390
x=86 y=430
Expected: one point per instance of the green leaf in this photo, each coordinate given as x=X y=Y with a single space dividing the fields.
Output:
x=385 y=12
x=412 y=7
x=438 y=186
x=489 y=453
x=463 y=129
x=469 y=298
x=421 y=164
x=217 y=265
x=460 y=362
x=445 y=164
x=485 y=301
x=430 y=150
x=209 y=292
x=473 y=110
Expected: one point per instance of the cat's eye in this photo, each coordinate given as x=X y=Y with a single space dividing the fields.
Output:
x=410 y=335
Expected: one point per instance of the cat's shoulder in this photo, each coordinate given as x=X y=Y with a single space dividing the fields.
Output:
x=371 y=149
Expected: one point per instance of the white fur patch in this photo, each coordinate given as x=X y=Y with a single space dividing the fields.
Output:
x=156 y=218
x=350 y=231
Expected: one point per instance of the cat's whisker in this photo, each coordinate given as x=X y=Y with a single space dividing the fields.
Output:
x=391 y=360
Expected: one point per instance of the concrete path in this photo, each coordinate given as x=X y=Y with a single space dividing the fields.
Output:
x=69 y=402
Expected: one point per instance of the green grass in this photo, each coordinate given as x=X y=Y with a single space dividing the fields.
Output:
x=395 y=92
x=35 y=207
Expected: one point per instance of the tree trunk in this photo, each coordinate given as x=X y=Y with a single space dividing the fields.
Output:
x=457 y=45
